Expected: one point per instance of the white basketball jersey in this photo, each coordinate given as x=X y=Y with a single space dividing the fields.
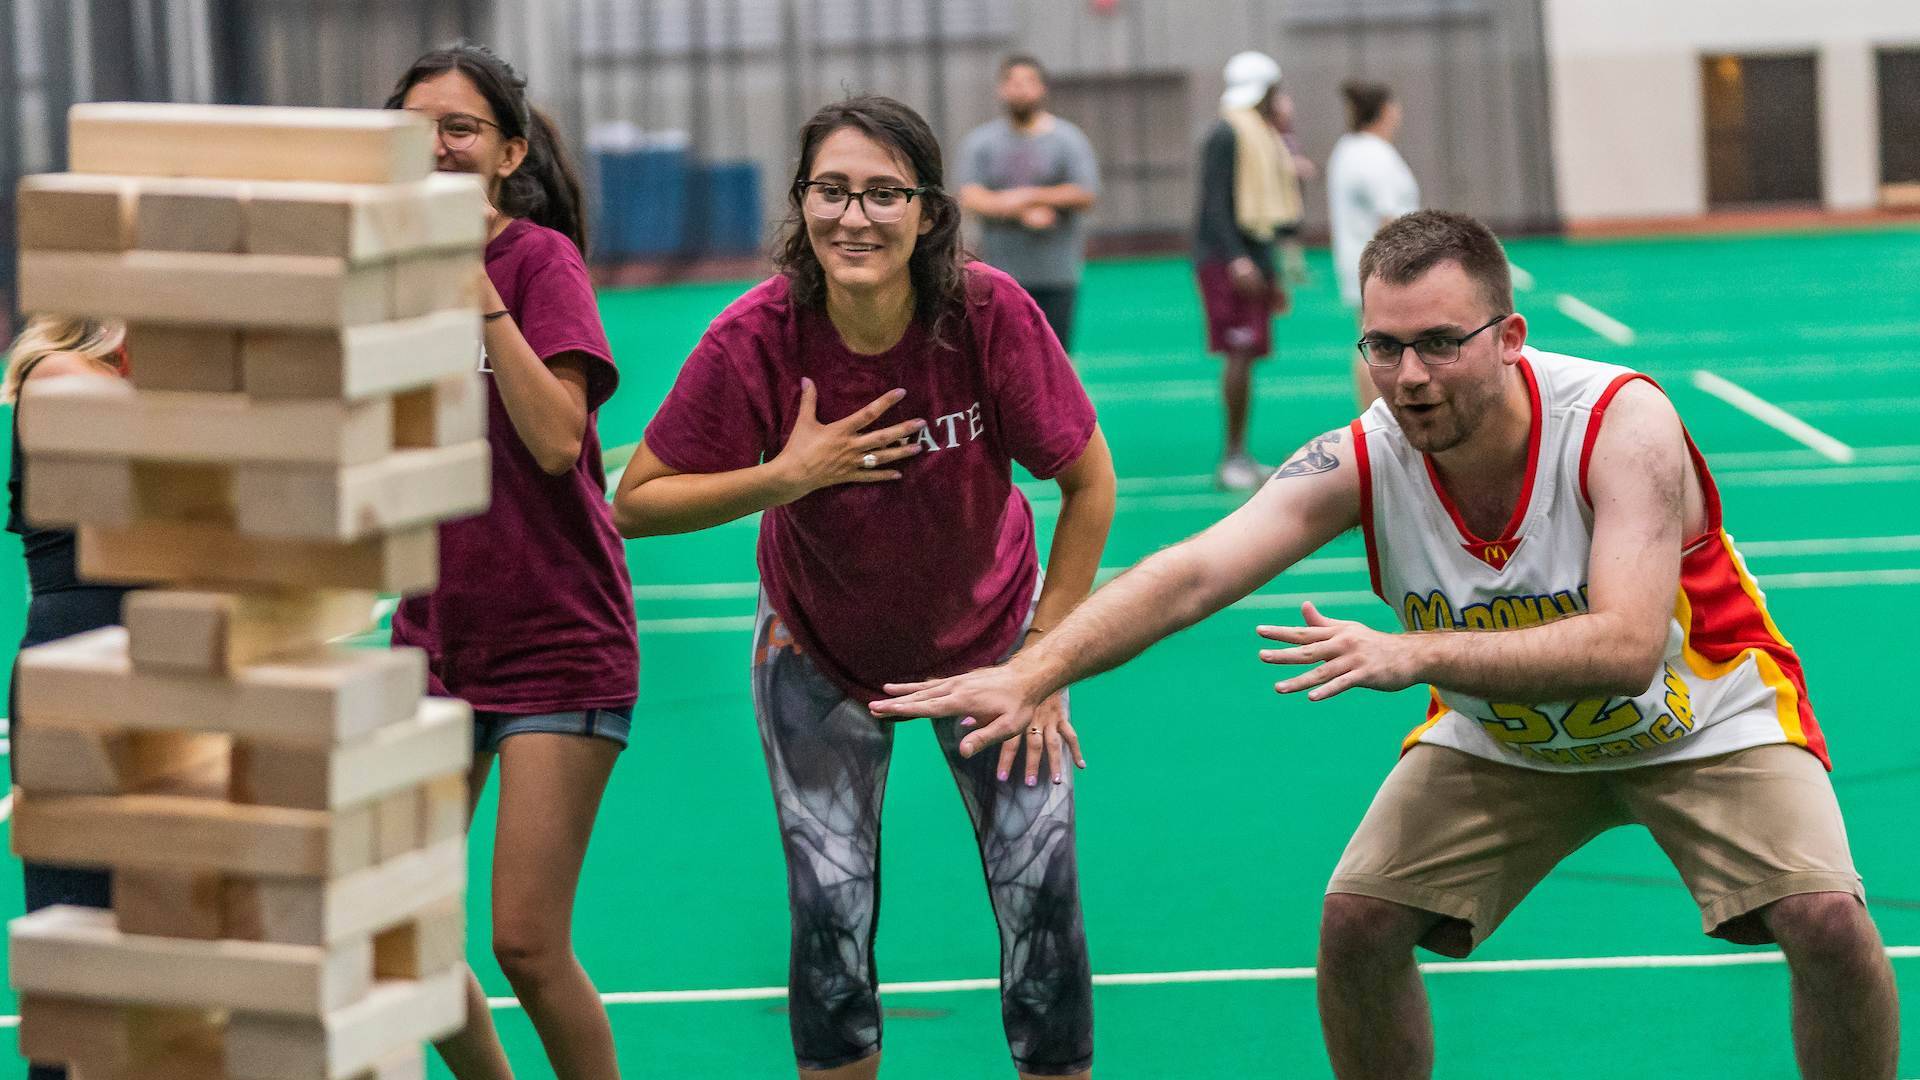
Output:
x=1730 y=680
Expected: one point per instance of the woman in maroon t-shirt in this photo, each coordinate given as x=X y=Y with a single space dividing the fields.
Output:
x=872 y=400
x=532 y=622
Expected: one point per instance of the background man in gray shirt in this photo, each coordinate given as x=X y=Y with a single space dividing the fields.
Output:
x=1031 y=177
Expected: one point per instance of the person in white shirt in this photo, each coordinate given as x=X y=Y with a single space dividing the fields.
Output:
x=1368 y=185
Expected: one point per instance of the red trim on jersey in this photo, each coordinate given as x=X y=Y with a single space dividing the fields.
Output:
x=1727 y=621
x=1509 y=538
x=1365 y=464
x=1709 y=492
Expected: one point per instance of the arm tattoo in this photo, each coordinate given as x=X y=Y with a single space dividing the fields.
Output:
x=1312 y=459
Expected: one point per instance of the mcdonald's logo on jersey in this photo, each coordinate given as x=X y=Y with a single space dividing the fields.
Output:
x=1494 y=553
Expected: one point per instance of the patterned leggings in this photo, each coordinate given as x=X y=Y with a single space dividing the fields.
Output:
x=827 y=759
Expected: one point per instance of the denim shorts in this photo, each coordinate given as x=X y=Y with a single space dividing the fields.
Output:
x=610 y=724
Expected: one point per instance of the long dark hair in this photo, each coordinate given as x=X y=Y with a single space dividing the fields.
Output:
x=938 y=265
x=546 y=187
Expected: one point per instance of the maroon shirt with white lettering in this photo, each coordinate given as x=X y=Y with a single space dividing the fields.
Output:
x=916 y=578
x=534 y=610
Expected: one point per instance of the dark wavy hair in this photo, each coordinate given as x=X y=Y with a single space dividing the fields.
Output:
x=938 y=264
x=546 y=187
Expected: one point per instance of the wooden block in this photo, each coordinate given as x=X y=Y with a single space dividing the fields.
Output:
x=361 y=361
x=354 y=906
x=350 y=1040
x=67 y=212
x=208 y=289
x=211 y=554
x=168 y=903
x=67 y=491
x=408 y=1064
x=398 y=826
x=57 y=758
x=450 y=411
x=428 y=943
x=446 y=809
x=407 y=488
x=192 y=833
x=77 y=952
x=110 y=1040
x=320 y=699
x=362 y=222
x=198 y=358
x=424 y=284
x=79 y=416
x=242 y=142
x=183 y=216
x=394 y=760
x=214 y=633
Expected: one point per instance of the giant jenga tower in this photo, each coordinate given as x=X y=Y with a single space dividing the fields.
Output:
x=284 y=818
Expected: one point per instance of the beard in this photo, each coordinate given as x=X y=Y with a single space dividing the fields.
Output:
x=1024 y=112
x=1458 y=416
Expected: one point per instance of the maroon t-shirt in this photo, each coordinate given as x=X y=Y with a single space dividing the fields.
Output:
x=920 y=577
x=534 y=610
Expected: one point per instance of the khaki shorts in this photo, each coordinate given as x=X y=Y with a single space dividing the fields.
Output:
x=1468 y=838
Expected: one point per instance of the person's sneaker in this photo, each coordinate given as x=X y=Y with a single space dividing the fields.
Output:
x=1239 y=472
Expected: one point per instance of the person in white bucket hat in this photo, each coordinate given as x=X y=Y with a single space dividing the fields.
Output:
x=1249 y=196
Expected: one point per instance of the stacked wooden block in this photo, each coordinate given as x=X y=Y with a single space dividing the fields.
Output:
x=284 y=818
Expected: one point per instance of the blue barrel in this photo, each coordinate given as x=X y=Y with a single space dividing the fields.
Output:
x=731 y=212
x=643 y=201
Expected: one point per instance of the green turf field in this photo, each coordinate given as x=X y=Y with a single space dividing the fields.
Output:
x=1212 y=811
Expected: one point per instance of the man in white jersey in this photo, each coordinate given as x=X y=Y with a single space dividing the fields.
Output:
x=1598 y=655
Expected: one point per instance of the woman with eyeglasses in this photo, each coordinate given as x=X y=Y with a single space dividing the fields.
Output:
x=532 y=622
x=872 y=399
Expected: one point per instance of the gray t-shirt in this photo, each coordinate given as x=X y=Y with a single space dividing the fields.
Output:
x=997 y=157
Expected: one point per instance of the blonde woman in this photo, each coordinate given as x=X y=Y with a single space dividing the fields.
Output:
x=62 y=604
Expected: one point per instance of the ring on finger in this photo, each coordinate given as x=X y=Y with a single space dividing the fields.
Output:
x=1033 y=731
x=870 y=461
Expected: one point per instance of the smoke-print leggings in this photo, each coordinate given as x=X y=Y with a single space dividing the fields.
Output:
x=827 y=758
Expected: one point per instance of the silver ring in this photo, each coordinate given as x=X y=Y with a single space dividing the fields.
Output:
x=870 y=461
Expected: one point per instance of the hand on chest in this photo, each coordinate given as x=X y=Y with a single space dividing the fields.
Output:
x=956 y=416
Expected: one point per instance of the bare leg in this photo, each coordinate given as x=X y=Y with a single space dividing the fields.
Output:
x=1236 y=391
x=1373 y=1006
x=550 y=788
x=1846 y=1017
x=474 y=1052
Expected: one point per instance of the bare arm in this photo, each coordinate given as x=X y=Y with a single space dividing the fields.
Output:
x=546 y=400
x=1313 y=498
x=1637 y=479
x=654 y=499
x=1062 y=197
x=1086 y=514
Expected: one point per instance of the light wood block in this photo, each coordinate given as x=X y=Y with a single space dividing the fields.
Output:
x=357 y=905
x=191 y=833
x=361 y=361
x=79 y=416
x=362 y=223
x=77 y=952
x=350 y=1040
x=445 y=809
x=184 y=216
x=111 y=1040
x=207 y=289
x=423 y=284
x=407 y=488
x=215 y=555
x=214 y=633
x=408 y=1064
x=168 y=903
x=398 y=824
x=68 y=491
x=63 y=759
x=243 y=142
x=393 y=760
x=426 y=944
x=318 y=700
x=204 y=359
x=450 y=411
x=68 y=212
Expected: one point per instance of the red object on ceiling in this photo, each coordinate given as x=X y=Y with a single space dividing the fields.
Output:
x=1105 y=7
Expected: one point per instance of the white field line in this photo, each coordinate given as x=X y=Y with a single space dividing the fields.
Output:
x=1521 y=279
x=1236 y=975
x=1774 y=417
x=6 y=807
x=1594 y=319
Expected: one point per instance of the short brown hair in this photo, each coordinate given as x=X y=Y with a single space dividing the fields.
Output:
x=1412 y=244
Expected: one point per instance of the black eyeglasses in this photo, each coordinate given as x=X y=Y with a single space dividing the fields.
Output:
x=459 y=130
x=828 y=201
x=1381 y=351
